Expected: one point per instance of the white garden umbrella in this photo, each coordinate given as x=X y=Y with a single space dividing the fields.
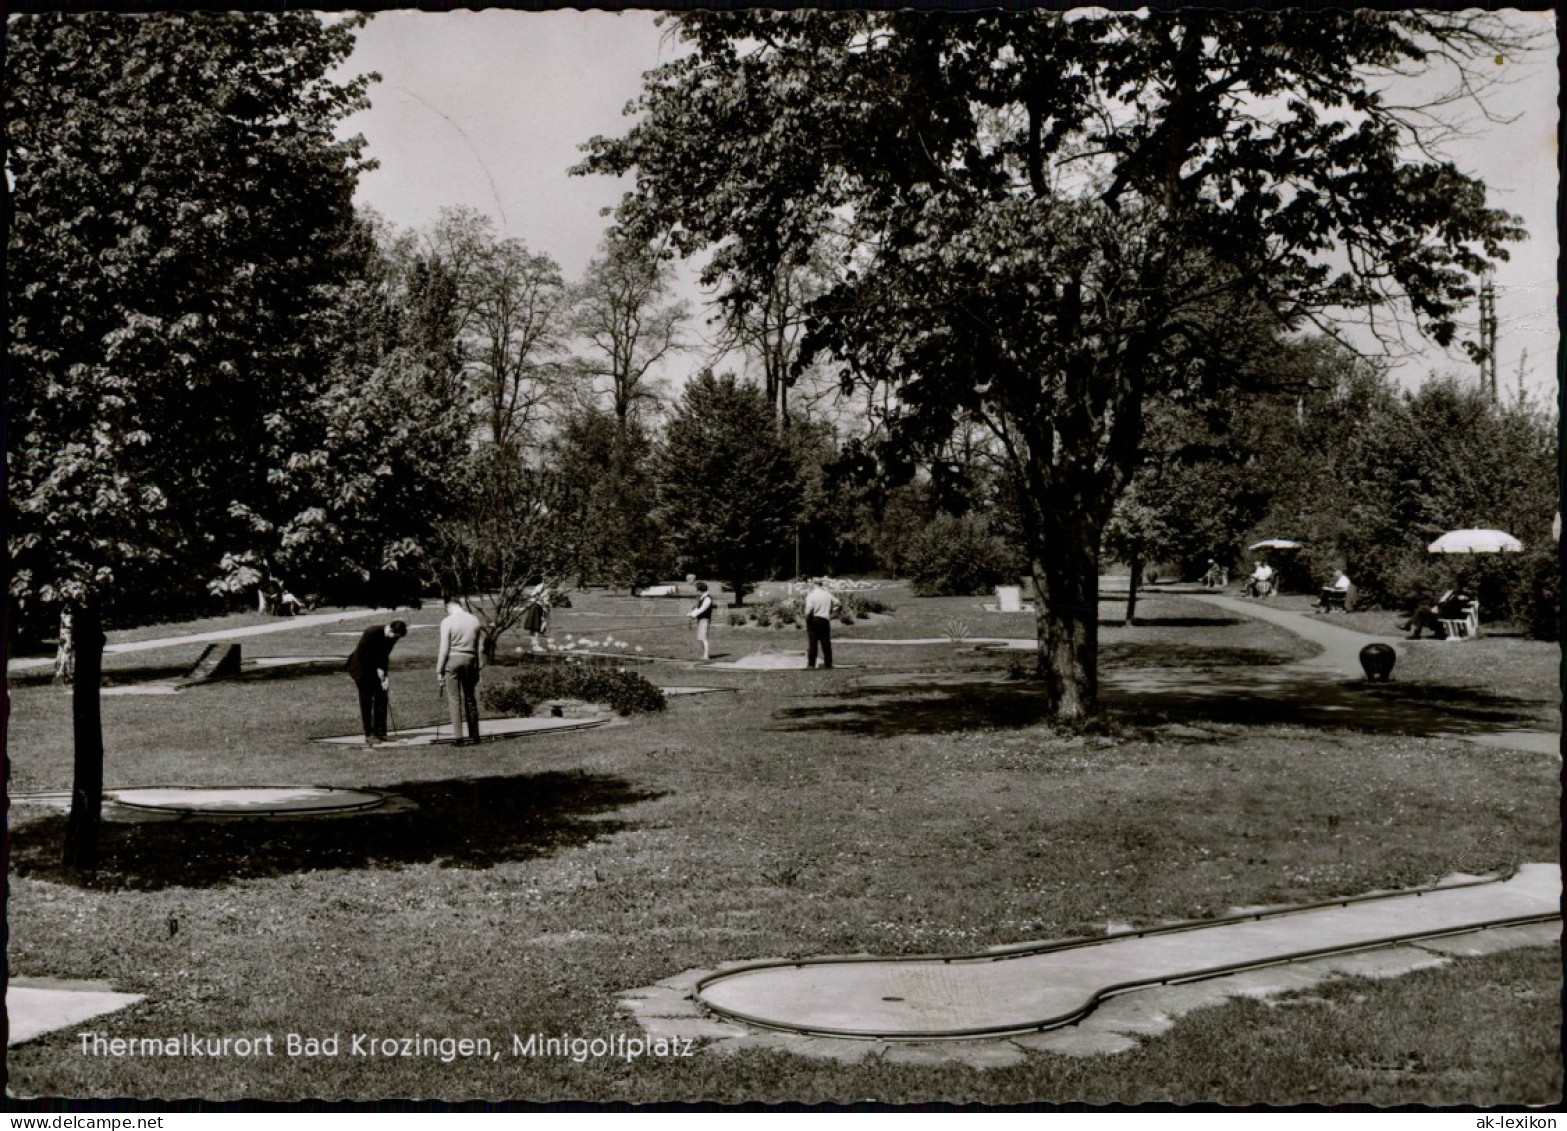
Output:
x=1476 y=542
x=1275 y=544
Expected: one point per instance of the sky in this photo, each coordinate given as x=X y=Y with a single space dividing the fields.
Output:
x=488 y=109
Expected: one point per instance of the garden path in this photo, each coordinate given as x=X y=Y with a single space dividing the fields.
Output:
x=1340 y=645
x=282 y=624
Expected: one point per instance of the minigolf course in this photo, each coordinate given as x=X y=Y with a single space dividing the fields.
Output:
x=1039 y=987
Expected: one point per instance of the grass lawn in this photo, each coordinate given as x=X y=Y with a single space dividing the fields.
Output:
x=536 y=881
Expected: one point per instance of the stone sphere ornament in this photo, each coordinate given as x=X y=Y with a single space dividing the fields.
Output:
x=1377 y=661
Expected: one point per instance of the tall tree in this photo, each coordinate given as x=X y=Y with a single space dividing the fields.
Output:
x=624 y=325
x=728 y=488
x=609 y=478
x=1045 y=215
x=514 y=528
x=351 y=514
x=770 y=330
x=179 y=204
x=512 y=320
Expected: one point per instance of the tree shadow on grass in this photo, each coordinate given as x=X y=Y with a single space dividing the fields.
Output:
x=1245 y=696
x=1264 y=697
x=112 y=676
x=1467 y=703
x=475 y=823
x=1188 y=657
x=930 y=707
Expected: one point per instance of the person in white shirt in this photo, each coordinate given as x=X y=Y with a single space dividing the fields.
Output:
x=1260 y=584
x=702 y=615
x=1335 y=594
x=819 y=607
x=457 y=669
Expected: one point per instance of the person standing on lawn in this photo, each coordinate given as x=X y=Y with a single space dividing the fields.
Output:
x=457 y=669
x=369 y=665
x=702 y=615
x=536 y=620
x=820 y=605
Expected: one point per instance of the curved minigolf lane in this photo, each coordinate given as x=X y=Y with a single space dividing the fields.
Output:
x=1042 y=987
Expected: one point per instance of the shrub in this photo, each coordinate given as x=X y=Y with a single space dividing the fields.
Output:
x=624 y=692
x=959 y=557
x=1540 y=606
x=1408 y=581
x=860 y=607
x=1522 y=589
x=785 y=608
x=738 y=620
x=789 y=612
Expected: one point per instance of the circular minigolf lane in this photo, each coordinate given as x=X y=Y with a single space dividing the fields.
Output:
x=236 y=801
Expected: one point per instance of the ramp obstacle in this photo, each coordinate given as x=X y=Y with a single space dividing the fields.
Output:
x=217 y=661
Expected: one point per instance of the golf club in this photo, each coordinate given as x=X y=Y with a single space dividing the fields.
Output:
x=440 y=702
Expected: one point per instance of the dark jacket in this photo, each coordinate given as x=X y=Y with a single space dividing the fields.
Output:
x=372 y=655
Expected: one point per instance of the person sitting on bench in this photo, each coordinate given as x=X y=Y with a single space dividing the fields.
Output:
x=1335 y=595
x=1260 y=583
x=1451 y=605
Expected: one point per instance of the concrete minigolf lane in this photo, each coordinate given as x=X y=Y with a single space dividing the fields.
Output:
x=488 y=729
x=249 y=801
x=35 y=1006
x=1014 y=991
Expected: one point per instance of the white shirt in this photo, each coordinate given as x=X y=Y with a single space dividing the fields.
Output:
x=820 y=603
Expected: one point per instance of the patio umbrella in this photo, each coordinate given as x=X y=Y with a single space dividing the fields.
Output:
x=1275 y=544
x=1475 y=542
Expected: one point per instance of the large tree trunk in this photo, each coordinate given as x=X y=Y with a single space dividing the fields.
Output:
x=1066 y=597
x=81 y=830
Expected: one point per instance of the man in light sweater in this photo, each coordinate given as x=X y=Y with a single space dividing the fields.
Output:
x=457 y=668
x=819 y=607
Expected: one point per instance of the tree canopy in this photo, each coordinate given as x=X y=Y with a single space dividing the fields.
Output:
x=621 y=330
x=1046 y=222
x=180 y=210
x=180 y=221
x=728 y=489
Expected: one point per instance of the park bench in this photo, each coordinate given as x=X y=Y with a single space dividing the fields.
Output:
x=1463 y=628
x=1341 y=599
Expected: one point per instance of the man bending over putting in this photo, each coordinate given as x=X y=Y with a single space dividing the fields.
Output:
x=370 y=665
